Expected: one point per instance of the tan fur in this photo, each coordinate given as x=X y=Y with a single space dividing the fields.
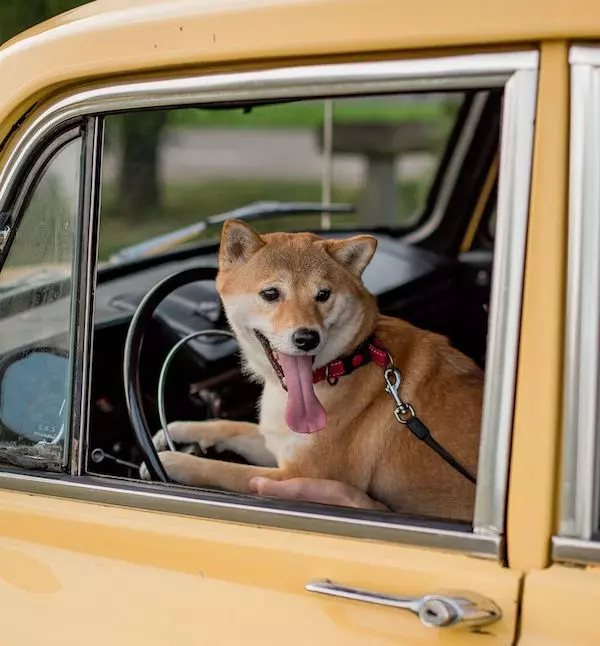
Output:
x=362 y=444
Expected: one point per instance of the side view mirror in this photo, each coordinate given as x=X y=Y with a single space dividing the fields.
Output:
x=34 y=386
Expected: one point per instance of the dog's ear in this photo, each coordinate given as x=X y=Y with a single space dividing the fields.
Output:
x=238 y=242
x=354 y=253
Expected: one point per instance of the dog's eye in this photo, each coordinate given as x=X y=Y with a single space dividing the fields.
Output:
x=270 y=294
x=323 y=295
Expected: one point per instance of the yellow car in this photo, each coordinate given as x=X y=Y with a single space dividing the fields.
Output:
x=466 y=137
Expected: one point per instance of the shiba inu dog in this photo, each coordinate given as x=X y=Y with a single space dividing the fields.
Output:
x=310 y=331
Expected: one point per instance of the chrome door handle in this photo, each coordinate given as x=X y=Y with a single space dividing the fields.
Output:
x=433 y=610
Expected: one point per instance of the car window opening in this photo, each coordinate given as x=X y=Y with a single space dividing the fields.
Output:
x=339 y=168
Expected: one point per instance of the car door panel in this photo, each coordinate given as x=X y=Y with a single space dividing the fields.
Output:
x=158 y=578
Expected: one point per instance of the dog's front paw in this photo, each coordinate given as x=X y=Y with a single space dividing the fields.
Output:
x=175 y=464
x=160 y=440
x=184 y=433
x=183 y=468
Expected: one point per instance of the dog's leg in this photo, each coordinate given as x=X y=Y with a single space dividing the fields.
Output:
x=242 y=438
x=202 y=472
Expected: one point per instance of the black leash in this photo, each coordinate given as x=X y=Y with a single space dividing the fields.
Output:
x=405 y=415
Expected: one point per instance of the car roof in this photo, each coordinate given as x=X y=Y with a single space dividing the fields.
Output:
x=118 y=37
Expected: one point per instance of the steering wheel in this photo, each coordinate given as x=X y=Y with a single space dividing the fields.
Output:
x=131 y=360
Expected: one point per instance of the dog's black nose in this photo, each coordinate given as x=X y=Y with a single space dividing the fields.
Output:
x=305 y=339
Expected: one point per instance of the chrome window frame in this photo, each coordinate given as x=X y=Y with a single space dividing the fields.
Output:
x=579 y=479
x=517 y=73
x=86 y=258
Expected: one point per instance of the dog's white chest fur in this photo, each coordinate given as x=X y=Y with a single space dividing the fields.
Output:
x=279 y=439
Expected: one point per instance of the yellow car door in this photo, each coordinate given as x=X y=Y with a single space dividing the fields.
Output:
x=97 y=559
x=133 y=576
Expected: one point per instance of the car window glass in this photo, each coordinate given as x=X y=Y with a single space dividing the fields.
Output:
x=35 y=314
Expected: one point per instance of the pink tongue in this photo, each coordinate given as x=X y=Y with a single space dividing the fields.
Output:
x=303 y=411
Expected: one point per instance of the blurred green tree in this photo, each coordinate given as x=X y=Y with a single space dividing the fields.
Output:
x=139 y=186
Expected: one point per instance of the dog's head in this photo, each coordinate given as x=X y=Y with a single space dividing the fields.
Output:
x=295 y=301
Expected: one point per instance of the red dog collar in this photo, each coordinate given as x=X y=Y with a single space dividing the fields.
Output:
x=371 y=350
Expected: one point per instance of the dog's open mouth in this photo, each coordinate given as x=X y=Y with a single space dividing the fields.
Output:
x=303 y=412
x=272 y=357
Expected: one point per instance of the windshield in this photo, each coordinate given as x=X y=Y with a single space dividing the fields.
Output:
x=167 y=170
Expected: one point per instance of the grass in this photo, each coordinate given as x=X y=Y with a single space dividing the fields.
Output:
x=185 y=204
x=309 y=114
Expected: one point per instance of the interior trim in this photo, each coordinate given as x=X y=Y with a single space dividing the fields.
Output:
x=480 y=206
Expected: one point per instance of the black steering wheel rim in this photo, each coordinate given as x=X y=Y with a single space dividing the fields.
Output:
x=131 y=359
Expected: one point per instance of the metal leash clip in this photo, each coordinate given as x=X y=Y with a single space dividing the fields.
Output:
x=403 y=412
